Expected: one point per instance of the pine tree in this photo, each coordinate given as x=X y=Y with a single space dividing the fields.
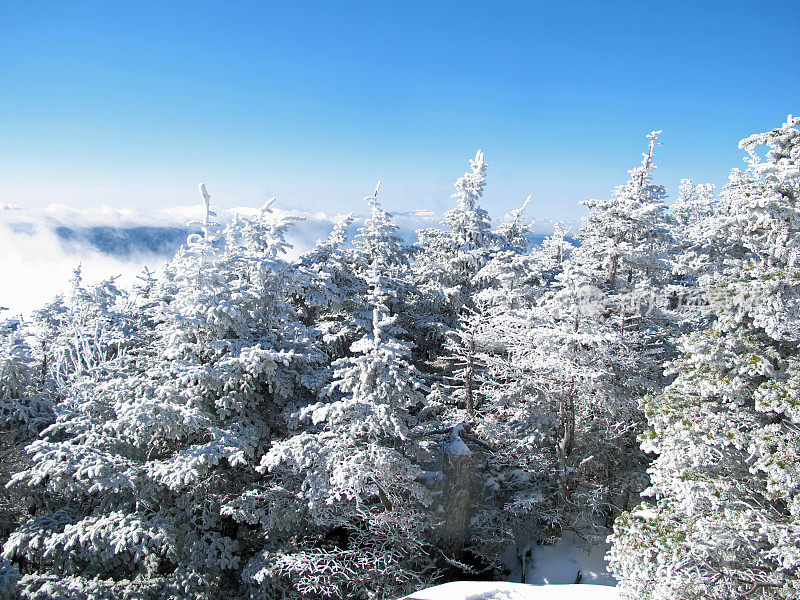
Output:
x=140 y=460
x=725 y=516
x=380 y=252
x=562 y=374
x=349 y=481
x=25 y=403
x=25 y=409
x=77 y=334
x=330 y=292
x=450 y=259
x=511 y=277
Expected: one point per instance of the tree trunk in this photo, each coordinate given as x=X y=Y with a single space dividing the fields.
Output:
x=456 y=497
x=614 y=262
x=468 y=376
x=566 y=417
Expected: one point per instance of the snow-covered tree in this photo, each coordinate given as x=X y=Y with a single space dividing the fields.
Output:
x=381 y=253
x=25 y=409
x=330 y=291
x=696 y=253
x=554 y=251
x=560 y=427
x=143 y=458
x=9 y=575
x=724 y=521
x=694 y=206
x=561 y=375
x=336 y=285
x=356 y=519
x=624 y=238
x=617 y=279
x=78 y=333
x=512 y=277
x=451 y=257
x=25 y=404
x=610 y=300
x=378 y=246
x=463 y=245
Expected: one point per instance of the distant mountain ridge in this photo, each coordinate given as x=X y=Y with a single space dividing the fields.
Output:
x=126 y=241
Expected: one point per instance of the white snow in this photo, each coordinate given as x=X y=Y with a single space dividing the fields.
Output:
x=493 y=590
x=561 y=563
x=457 y=447
x=551 y=576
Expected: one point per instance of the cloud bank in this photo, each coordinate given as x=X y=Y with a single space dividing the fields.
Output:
x=41 y=249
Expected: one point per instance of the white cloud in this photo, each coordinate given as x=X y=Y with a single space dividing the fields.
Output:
x=40 y=249
x=35 y=267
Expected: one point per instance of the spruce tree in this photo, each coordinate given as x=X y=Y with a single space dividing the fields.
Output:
x=342 y=505
x=724 y=519
x=149 y=444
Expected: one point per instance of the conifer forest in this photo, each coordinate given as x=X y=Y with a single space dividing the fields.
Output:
x=375 y=417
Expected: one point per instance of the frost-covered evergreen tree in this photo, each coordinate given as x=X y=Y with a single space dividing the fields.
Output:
x=697 y=252
x=616 y=281
x=692 y=210
x=25 y=404
x=511 y=278
x=463 y=246
x=380 y=252
x=555 y=250
x=561 y=428
x=25 y=409
x=378 y=246
x=77 y=334
x=562 y=375
x=624 y=238
x=144 y=457
x=451 y=258
x=336 y=286
x=342 y=508
x=613 y=301
x=725 y=517
x=331 y=292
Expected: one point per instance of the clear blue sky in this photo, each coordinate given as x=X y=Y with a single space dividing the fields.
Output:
x=134 y=103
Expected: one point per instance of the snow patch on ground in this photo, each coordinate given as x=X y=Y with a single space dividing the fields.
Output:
x=551 y=574
x=493 y=590
x=561 y=563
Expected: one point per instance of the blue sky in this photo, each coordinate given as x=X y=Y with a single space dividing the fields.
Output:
x=133 y=104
